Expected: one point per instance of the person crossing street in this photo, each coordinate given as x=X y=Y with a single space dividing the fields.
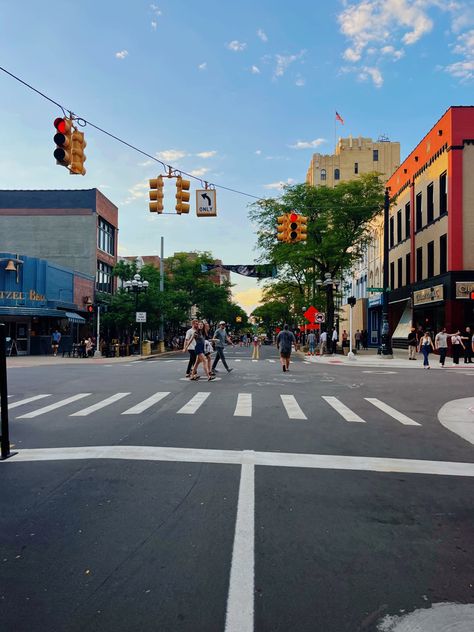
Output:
x=220 y=338
x=285 y=340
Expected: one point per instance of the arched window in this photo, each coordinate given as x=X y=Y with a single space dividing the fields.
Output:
x=337 y=174
x=323 y=174
x=377 y=278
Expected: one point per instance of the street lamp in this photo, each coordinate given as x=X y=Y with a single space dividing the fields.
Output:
x=137 y=285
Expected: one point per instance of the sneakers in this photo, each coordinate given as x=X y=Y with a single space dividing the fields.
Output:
x=284 y=369
x=211 y=377
x=229 y=370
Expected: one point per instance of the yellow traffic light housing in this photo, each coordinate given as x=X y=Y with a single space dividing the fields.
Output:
x=182 y=195
x=282 y=228
x=78 y=156
x=156 y=195
x=302 y=228
x=62 y=138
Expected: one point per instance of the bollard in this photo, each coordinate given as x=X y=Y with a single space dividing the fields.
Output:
x=4 y=436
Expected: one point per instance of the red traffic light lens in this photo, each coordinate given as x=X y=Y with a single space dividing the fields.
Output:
x=90 y=309
x=472 y=296
x=60 y=125
x=293 y=217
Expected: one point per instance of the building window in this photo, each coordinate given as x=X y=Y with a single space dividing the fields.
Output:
x=443 y=193
x=104 y=279
x=106 y=237
x=443 y=254
x=429 y=203
x=400 y=272
x=407 y=221
x=392 y=236
x=337 y=174
x=419 y=212
x=323 y=174
x=375 y=154
x=356 y=167
x=419 y=264
x=392 y=275
x=407 y=269
x=430 y=259
x=399 y=226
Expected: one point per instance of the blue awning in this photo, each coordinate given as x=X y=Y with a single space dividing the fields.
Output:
x=31 y=311
x=74 y=318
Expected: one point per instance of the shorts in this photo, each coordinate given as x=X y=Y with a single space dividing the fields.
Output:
x=285 y=354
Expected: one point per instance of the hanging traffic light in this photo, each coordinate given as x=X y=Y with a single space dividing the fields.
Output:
x=293 y=228
x=156 y=195
x=302 y=222
x=90 y=309
x=282 y=228
x=62 y=138
x=78 y=156
x=182 y=195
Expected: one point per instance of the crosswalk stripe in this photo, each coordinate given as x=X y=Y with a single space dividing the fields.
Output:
x=342 y=409
x=292 y=407
x=272 y=360
x=146 y=403
x=403 y=419
x=105 y=402
x=34 y=398
x=194 y=403
x=243 y=407
x=238 y=360
x=47 y=409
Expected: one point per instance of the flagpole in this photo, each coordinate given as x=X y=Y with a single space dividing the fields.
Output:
x=335 y=124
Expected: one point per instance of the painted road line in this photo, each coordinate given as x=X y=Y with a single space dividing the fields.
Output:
x=194 y=403
x=458 y=417
x=272 y=360
x=237 y=360
x=47 y=409
x=403 y=419
x=105 y=402
x=146 y=403
x=34 y=398
x=244 y=405
x=240 y=601
x=254 y=360
x=342 y=409
x=292 y=407
x=237 y=457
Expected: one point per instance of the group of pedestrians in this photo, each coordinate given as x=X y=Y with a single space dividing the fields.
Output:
x=461 y=345
x=198 y=342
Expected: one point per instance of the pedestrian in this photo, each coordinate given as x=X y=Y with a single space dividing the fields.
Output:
x=220 y=338
x=345 y=338
x=467 y=337
x=199 y=350
x=358 y=339
x=441 y=344
x=256 y=348
x=365 y=339
x=285 y=340
x=323 y=339
x=311 y=343
x=55 y=340
x=426 y=346
x=89 y=347
x=190 y=345
x=334 y=339
x=457 y=345
x=208 y=348
x=412 y=343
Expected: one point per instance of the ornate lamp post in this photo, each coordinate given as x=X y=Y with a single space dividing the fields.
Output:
x=137 y=285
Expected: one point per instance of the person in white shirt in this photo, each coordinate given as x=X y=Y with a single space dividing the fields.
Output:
x=190 y=345
x=323 y=339
x=441 y=344
x=334 y=339
x=457 y=345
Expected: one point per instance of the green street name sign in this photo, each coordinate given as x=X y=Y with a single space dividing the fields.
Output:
x=375 y=289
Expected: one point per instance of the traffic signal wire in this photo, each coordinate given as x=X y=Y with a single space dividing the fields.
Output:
x=83 y=122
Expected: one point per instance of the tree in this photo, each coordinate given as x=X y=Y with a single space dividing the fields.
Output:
x=338 y=223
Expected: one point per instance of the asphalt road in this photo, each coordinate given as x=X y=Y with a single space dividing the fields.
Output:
x=261 y=501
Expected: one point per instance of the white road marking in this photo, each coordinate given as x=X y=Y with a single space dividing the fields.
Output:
x=254 y=360
x=244 y=405
x=240 y=601
x=237 y=457
x=458 y=417
x=272 y=360
x=403 y=419
x=194 y=403
x=145 y=404
x=34 y=398
x=292 y=407
x=238 y=360
x=342 y=409
x=105 y=402
x=440 y=617
x=47 y=409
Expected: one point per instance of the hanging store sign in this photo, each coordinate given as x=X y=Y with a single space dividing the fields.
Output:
x=464 y=289
x=428 y=295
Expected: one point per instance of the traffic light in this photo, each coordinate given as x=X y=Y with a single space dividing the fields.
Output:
x=156 y=195
x=90 y=310
x=293 y=226
x=182 y=195
x=62 y=138
x=282 y=228
x=472 y=296
x=352 y=301
x=302 y=228
x=78 y=156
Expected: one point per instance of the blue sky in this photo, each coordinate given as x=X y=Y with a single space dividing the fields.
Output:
x=239 y=93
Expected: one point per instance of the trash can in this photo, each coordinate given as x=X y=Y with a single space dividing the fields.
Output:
x=146 y=347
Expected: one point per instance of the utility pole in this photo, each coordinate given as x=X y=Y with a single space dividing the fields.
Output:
x=97 y=342
x=162 y=287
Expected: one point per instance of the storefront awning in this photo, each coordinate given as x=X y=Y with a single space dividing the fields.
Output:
x=74 y=318
x=31 y=311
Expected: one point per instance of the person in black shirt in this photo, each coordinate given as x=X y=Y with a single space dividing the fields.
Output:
x=412 y=344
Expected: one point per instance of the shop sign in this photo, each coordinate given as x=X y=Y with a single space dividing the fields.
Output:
x=375 y=300
x=464 y=289
x=428 y=295
x=10 y=295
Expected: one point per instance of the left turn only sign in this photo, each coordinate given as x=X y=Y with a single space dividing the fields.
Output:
x=206 y=203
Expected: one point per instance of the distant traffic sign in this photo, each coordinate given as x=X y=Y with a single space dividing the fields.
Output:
x=320 y=317
x=140 y=317
x=310 y=313
x=375 y=289
x=206 y=203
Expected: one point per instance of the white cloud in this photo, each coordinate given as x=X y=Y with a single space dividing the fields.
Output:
x=137 y=191
x=255 y=70
x=300 y=81
x=147 y=163
x=207 y=154
x=284 y=61
x=262 y=35
x=374 y=74
x=463 y=69
x=171 y=155
x=203 y=66
x=121 y=54
x=198 y=173
x=279 y=185
x=154 y=24
x=258 y=152
x=236 y=46
x=156 y=10
x=308 y=144
x=392 y=52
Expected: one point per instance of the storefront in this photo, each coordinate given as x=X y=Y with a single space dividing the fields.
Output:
x=374 y=320
x=36 y=298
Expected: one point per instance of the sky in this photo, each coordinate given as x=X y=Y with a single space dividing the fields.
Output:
x=240 y=94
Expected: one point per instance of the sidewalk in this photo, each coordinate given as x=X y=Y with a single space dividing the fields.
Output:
x=17 y=362
x=370 y=358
